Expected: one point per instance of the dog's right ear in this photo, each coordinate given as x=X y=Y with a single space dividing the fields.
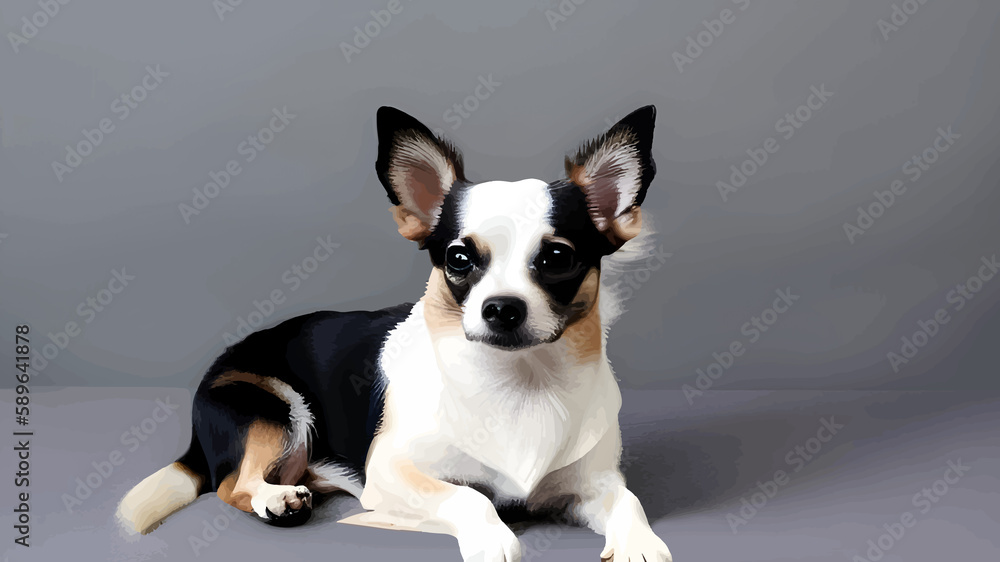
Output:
x=614 y=172
x=417 y=170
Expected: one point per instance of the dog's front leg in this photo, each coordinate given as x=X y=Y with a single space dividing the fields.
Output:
x=611 y=509
x=614 y=511
x=403 y=497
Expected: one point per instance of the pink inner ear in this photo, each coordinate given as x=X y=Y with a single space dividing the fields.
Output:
x=602 y=193
x=424 y=186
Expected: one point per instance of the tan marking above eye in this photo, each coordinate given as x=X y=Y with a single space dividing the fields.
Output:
x=481 y=246
x=558 y=240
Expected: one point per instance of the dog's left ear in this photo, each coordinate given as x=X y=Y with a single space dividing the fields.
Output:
x=614 y=171
x=417 y=170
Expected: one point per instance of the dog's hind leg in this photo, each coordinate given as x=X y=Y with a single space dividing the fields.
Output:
x=279 y=501
x=256 y=430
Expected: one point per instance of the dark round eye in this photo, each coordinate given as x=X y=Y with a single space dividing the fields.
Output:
x=458 y=259
x=556 y=259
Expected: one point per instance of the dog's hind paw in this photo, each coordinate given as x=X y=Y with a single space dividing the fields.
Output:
x=285 y=506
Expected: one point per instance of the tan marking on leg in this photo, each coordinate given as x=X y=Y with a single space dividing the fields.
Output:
x=585 y=330
x=301 y=419
x=262 y=448
x=418 y=480
x=240 y=501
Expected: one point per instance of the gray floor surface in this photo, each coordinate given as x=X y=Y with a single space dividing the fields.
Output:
x=692 y=465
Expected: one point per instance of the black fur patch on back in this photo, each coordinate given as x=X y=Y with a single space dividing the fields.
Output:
x=329 y=358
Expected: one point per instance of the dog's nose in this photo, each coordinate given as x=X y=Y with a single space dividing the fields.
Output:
x=504 y=313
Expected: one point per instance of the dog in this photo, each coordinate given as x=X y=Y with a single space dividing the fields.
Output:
x=493 y=389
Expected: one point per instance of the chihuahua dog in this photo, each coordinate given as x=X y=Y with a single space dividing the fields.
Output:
x=493 y=389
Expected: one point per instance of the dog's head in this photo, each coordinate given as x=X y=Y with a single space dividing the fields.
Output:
x=515 y=263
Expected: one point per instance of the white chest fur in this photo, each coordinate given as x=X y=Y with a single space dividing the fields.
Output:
x=467 y=412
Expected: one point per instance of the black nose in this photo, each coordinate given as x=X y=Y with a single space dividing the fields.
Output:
x=504 y=313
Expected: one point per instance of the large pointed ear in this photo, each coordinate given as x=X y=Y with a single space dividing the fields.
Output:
x=417 y=170
x=614 y=171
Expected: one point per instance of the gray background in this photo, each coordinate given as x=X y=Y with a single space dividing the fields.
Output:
x=59 y=241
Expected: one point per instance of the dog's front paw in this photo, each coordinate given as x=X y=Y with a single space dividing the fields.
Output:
x=636 y=546
x=492 y=543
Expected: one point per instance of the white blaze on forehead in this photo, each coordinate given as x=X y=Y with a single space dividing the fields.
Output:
x=510 y=218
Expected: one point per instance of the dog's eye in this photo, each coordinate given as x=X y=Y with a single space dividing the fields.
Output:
x=459 y=259
x=556 y=260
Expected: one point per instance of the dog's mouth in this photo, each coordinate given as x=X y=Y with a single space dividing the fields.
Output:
x=511 y=341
